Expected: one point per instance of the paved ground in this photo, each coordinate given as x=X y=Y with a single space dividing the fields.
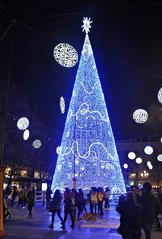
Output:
x=22 y=227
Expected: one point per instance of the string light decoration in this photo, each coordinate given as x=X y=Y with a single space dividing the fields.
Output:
x=140 y=116
x=131 y=155
x=88 y=152
x=37 y=143
x=159 y=96
x=26 y=134
x=23 y=123
x=62 y=104
x=65 y=55
x=148 y=150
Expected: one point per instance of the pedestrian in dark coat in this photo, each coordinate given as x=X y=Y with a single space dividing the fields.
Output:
x=149 y=204
x=55 y=207
x=130 y=220
x=30 y=201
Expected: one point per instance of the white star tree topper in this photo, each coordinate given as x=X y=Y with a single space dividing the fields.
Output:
x=86 y=24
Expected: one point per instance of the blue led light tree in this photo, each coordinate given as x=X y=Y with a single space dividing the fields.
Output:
x=88 y=152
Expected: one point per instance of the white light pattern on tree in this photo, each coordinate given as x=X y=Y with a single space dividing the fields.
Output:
x=62 y=105
x=65 y=55
x=140 y=116
x=88 y=149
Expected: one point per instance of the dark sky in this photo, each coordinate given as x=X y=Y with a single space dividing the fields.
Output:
x=126 y=38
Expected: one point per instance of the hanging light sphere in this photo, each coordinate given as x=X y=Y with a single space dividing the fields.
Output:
x=161 y=139
x=140 y=116
x=138 y=160
x=125 y=165
x=26 y=134
x=37 y=144
x=148 y=150
x=23 y=123
x=62 y=104
x=159 y=96
x=65 y=55
x=131 y=155
x=159 y=157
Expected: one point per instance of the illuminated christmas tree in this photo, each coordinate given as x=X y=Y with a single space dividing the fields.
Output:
x=88 y=152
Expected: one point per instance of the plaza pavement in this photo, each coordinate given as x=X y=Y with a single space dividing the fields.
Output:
x=37 y=227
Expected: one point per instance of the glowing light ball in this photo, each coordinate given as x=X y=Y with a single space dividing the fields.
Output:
x=37 y=144
x=161 y=139
x=62 y=105
x=23 y=123
x=159 y=96
x=140 y=116
x=138 y=160
x=65 y=55
x=125 y=165
x=148 y=150
x=131 y=155
x=26 y=134
x=159 y=157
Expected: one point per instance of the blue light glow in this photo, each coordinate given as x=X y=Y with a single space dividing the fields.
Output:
x=88 y=151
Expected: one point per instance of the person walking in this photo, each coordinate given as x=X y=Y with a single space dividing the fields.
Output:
x=55 y=207
x=100 y=197
x=149 y=203
x=80 y=203
x=93 y=200
x=30 y=201
x=130 y=219
x=106 y=198
x=69 y=206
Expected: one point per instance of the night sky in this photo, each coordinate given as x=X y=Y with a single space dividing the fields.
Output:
x=126 y=38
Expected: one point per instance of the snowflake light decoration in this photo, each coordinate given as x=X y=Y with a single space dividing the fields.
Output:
x=65 y=55
x=23 y=123
x=62 y=104
x=86 y=24
x=37 y=144
x=159 y=96
x=140 y=116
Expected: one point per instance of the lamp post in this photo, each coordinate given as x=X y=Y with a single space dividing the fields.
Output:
x=2 y=231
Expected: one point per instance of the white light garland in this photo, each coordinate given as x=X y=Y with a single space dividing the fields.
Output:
x=65 y=55
x=140 y=116
x=148 y=150
x=23 y=123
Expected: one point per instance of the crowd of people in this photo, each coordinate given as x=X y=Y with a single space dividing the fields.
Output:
x=138 y=208
x=22 y=197
x=75 y=203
